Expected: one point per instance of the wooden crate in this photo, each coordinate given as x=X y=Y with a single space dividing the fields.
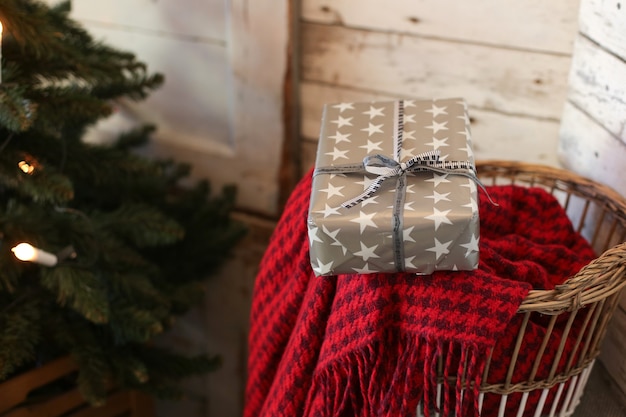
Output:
x=15 y=401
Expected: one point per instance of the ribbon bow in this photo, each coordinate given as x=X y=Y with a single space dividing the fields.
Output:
x=386 y=168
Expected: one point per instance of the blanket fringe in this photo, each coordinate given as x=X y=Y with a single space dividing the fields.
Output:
x=394 y=379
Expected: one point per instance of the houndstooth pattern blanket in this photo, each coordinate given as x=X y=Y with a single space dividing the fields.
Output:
x=369 y=345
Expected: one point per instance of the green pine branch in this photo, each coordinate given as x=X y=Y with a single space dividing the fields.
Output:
x=20 y=333
x=144 y=244
x=80 y=289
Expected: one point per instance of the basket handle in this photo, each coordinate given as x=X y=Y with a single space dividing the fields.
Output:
x=599 y=279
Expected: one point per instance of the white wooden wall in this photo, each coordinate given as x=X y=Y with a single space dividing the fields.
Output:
x=509 y=59
x=593 y=129
x=225 y=64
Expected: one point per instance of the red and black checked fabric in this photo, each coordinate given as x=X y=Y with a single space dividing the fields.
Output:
x=368 y=345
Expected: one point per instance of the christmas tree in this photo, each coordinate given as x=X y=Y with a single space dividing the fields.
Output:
x=118 y=247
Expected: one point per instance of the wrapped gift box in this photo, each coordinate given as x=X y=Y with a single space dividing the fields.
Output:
x=394 y=189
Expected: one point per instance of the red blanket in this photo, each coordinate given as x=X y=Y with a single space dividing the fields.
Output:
x=367 y=345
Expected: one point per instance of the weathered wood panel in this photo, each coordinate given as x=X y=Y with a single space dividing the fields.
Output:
x=225 y=64
x=504 y=80
x=203 y=20
x=589 y=149
x=533 y=25
x=604 y=21
x=495 y=135
x=598 y=85
x=593 y=128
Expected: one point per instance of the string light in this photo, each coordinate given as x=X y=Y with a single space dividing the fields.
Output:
x=26 y=167
x=28 y=253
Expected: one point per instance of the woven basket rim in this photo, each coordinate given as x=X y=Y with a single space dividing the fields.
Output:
x=603 y=276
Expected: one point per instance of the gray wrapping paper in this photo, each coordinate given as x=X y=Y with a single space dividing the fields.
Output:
x=416 y=222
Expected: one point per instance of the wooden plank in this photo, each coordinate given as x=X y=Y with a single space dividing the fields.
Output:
x=504 y=80
x=199 y=120
x=15 y=390
x=142 y=404
x=56 y=406
x=589 y=149
x=220 y=102
x=604 y=22
x=259 y=41
x=495 y=135
x=116 y=404
x=598 y=86
x=201 y=20
x=534 y=25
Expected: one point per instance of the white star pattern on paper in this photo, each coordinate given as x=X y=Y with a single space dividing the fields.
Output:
x=407 y=153
x=332 y=190
x=409 y=118
x=344 y=106
x=371 y=200
x=322 y=268
x=364 y=220
x=409 y=189
x=366 y=253
x=468 y=150
x=407 y=206
x=436 y=111
x=465 y=118
x=365 y=270
x=373 y=112
x=436 y=127
x=313 y=237
x=341 y=121
x=438 y=143
x=409 y=103
x=340 y=137
x=471 y=185
x=366 y=182
x=408 y=262
x=336 y=154
x=472 y=205
x=328 y=211
x=440 y=248
x=408 y=134
x=439 y=217
x=333 y=236
x=406 y=234
x=438 y=179
x=465 y=133
x=471 y=246
x=372 y=146
x=336 y=175
x=437 y=197
x=372 y=128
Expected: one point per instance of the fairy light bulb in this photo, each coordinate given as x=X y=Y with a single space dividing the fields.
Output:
x=26 y=167
x=28 y=253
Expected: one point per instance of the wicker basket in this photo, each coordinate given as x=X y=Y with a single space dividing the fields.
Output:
x=588 y=298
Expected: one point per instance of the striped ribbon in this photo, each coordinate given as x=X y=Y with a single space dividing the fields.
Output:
x=387 y=168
